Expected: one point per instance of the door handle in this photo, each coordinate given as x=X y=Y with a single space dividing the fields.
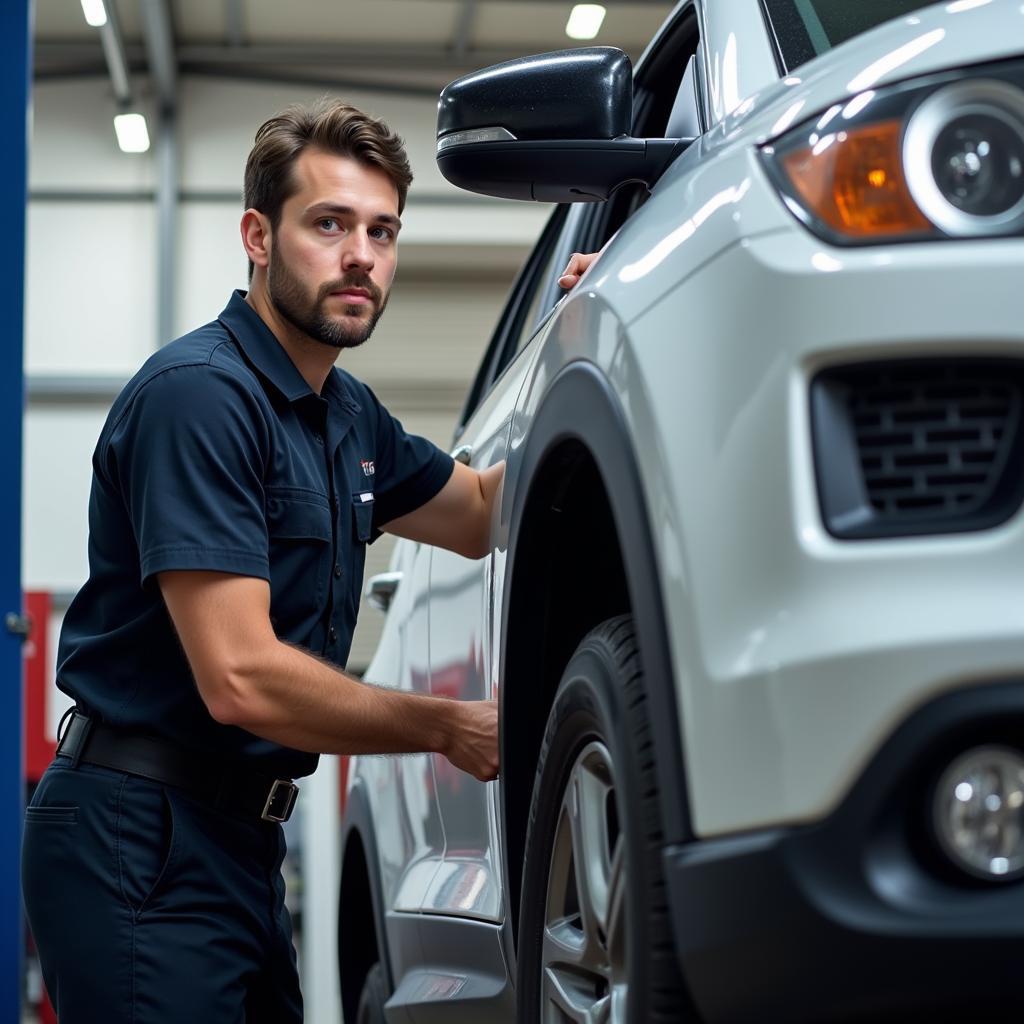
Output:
x=463 y=454
x=380 y=589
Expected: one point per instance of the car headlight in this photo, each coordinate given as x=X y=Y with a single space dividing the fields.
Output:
x=944 y=160
x=964 y=154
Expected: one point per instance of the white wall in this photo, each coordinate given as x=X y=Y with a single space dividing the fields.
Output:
x=92 y=269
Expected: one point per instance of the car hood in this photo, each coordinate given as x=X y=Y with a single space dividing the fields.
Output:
x=933 y=39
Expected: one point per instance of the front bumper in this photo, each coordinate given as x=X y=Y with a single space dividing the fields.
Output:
x=794 y=652
x=858 y=917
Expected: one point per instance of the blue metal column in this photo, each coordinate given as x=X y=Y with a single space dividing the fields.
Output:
x=15 y=71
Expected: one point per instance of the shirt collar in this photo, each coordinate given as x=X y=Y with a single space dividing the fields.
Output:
x=268 y=355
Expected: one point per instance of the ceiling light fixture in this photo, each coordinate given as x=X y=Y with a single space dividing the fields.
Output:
x=585 y=21
x=132 y=133
x=95 y=13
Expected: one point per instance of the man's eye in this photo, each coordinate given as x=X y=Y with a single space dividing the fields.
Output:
x=328 y=223
x=383 y=233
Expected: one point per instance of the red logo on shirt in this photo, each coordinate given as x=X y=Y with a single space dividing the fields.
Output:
x=367 y=465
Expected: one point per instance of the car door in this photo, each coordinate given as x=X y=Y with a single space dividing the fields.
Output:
x=462 y=655
x=465 y=596
x=401 y=790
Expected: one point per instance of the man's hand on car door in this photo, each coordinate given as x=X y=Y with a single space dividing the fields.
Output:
x=473 y=741
x=579 y=264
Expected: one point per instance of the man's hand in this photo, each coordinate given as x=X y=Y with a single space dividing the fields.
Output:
x=579 y=264
x=473 y=743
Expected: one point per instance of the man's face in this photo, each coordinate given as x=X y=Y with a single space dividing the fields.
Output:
x=333 y=254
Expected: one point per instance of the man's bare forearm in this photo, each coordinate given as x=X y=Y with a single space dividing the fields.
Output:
x=290 y=697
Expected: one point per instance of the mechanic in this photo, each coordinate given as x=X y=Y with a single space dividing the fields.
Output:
x=236 y=483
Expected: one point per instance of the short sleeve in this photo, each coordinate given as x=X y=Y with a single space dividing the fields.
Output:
x=187 y=455
x=410 y=469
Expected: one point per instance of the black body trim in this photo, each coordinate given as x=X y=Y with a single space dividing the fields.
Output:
x=859 y=917
x=580 y=406
x=510 y=323
x=899 y=457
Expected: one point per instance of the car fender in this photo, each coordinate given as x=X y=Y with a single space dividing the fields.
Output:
x=580 y=405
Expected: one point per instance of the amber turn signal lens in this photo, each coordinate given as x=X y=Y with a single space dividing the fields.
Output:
x=853 y=181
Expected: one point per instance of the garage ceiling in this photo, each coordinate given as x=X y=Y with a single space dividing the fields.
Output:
x=411 y=46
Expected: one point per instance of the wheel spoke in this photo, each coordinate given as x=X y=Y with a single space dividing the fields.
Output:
x=589 y=824
x=616 y=921
x=564 y=991
x=601 y=1012
x=564 y=946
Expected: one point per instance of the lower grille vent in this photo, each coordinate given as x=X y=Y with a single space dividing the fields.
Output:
x=922 y=446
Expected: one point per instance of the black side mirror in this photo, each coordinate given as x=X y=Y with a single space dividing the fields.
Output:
x=553 y=128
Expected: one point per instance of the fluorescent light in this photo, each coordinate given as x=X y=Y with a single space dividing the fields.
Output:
x=132 y=134
x=95 y=13
x=584 y=21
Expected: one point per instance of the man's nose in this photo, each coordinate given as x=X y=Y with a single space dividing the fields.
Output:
x=358 y=252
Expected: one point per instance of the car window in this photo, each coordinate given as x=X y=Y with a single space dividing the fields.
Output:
x=668 y=102
x=667 y=96
x=803 y=29
x=537 y=309
x=520 y=314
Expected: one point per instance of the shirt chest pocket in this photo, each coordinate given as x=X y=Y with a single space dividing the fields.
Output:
x=299 y=531
x=362 y=516
x=362 y=534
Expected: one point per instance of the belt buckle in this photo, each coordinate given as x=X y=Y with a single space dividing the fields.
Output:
x=71 y=742
x=280 y=801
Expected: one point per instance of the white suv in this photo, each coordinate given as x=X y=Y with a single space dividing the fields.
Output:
x=755 y=602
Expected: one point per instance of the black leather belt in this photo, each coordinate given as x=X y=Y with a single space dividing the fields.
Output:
x=251 y=796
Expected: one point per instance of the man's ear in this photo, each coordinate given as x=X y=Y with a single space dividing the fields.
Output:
x=256 y=237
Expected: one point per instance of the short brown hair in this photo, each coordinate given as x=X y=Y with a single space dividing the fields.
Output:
x=329 y=125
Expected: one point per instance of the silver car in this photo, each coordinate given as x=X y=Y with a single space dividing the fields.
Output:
x=754 y=609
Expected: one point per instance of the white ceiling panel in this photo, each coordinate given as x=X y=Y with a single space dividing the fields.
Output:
x=202 y=20
x=494 y=24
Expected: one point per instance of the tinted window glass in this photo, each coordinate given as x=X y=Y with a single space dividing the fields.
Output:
x=519 y=308
x=661 y=86
x=806 y=28
x=535 y=313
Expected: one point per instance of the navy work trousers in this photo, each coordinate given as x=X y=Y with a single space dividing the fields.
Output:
x=149 y=907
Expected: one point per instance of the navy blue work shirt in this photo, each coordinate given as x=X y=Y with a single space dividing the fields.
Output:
x=217 y=455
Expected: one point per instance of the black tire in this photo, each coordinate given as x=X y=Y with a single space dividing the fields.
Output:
x=598 y=736
x=373 y=997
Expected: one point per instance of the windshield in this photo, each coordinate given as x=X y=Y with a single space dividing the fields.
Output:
x=806 y=28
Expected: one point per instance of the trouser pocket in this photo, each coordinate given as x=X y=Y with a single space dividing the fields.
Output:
x=146 y=841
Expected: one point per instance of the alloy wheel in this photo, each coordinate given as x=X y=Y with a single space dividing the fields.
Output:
x=583 y=977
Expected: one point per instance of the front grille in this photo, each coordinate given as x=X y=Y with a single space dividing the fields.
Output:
x=923 y=446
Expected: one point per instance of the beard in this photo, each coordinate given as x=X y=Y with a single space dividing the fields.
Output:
x=310 y=316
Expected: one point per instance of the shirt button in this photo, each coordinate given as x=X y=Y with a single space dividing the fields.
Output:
x=319 y=438
x=337 y=572
x=332 y=634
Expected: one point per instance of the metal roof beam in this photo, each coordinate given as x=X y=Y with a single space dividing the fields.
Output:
x=464 y=29
x=414 y=57
x=234 y=19
x=159 y=37
x=114 y=53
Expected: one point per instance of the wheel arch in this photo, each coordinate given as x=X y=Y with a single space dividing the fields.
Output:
x=578 y=435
